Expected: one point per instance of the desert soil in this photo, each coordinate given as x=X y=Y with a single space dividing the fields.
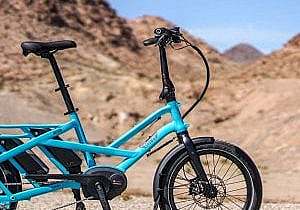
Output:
x=52 y=201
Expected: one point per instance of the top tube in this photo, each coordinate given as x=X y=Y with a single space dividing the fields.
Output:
x=14 y=126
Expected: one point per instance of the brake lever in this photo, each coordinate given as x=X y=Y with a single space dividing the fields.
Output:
x=160 y=39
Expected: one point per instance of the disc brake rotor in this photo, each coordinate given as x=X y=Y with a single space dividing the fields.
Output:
x=209 y=202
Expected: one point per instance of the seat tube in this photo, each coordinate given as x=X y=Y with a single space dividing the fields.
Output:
x=82 y=138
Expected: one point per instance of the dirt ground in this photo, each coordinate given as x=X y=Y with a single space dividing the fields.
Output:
x=52 y=200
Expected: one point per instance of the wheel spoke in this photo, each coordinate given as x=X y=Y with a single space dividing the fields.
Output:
x=180 y=193
x=224 y=162
x=179 y=186
x=239 y=195
x=194 y=206
x=235 y=203
x=191 y=199
x=213 y=162
x=233 y=173
x=207 y=164
x=178 y=182
x=235 y=182
x=188 y=171
x=186 y=205
x=224 y=173
x=236 y=189
x=232 y=177
x=216 y=165
x=225 y=206
x=236 y=198
x=181 y=178
x=227 y=170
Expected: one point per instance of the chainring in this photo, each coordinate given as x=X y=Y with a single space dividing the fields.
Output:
x=113 y=181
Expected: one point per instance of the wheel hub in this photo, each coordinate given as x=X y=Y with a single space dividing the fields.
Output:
x=210 y=196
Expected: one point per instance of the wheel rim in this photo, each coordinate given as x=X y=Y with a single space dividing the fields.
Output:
x=10 y=181
x=3 y=178
x=225 y=172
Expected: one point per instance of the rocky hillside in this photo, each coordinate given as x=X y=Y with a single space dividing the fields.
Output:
x=93 y=24
x=283 y=63
x=184 y=61
x=294 y=42
x=243 y=53
x=110 y=61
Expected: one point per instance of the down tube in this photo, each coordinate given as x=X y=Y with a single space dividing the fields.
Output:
x=152 y=142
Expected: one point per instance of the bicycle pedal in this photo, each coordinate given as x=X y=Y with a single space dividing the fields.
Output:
x=102 y=196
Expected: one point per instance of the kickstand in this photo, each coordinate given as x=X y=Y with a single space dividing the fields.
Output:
x=102 y=196
x=79 y=205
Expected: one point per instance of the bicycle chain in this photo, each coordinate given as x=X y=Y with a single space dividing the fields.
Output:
x=72 y=203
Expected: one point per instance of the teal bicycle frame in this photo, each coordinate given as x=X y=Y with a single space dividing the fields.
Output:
x=176 y=125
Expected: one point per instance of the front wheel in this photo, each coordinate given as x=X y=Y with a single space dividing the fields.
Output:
x=234 y=178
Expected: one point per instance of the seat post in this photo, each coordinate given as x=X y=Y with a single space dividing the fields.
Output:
x=62 y=86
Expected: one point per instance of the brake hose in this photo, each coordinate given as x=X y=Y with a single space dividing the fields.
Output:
x=207 y=77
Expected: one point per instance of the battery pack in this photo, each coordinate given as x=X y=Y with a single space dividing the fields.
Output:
x=68 y=158
x=29 y=161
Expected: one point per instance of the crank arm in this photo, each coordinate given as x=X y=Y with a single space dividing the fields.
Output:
x=102 y=196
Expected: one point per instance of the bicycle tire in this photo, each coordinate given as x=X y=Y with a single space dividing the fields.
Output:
x=227 y=151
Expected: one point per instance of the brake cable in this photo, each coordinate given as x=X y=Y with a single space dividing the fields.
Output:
x=201 y=95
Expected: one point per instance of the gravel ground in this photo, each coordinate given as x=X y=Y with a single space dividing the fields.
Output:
x=52 y=200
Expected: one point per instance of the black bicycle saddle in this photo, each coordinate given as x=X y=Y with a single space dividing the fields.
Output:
x=38 y=48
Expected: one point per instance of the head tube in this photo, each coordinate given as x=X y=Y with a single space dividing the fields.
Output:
x=180 y=126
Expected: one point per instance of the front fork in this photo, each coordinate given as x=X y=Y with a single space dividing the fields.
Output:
x=185 y=139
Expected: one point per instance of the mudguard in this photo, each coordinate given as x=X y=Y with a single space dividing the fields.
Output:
x=166 y=162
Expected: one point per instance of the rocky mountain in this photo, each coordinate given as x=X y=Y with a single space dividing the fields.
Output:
x=283 y=63
x=294 y=42
x=243 y=53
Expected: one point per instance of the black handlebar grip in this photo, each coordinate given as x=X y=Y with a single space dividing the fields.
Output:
x=150 y=41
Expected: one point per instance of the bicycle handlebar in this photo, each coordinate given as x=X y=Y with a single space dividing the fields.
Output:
x=164 y=36
x=150 y=41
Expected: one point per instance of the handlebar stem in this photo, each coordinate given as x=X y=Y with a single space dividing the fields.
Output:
x=168 y=90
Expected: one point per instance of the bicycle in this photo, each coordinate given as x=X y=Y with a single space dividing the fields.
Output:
x=198 y=173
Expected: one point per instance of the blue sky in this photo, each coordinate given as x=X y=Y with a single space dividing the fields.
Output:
x=266 y=24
